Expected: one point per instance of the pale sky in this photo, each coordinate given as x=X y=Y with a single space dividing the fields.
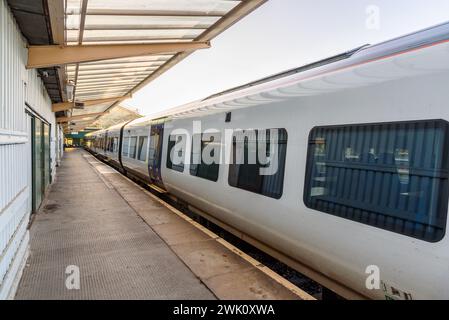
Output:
x=280 y=35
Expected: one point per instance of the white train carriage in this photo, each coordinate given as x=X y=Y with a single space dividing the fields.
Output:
x=361 y=147
x=113 y=144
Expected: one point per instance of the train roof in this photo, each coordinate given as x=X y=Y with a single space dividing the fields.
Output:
x=367 y=52
x=362 y=54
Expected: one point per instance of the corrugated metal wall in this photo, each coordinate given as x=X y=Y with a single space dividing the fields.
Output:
x=17 y=86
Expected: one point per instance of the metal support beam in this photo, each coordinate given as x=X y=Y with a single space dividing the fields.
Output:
x=56 y=14
x=240 y=11
x=88 y=103
x=49 y=56
x=79 y=117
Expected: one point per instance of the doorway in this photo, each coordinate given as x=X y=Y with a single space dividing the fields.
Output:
x=40 y=160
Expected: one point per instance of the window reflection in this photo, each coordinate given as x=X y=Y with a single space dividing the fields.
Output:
x=392 y=176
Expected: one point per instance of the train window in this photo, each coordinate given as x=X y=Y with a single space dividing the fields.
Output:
x=115 y=148
x=132 y=147
x=142 y=149
x=154 y=142
x=258 y=161
x=176 y=152
x=205 y=156
x=392 y=176
x=125 y=147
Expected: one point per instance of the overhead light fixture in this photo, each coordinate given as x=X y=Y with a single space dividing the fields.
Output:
x=78 y=105
x=70 y=88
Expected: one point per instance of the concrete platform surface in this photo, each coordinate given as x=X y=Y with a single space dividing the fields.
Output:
x=124 y=244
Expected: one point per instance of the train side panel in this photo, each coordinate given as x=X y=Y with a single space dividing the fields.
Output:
x=135 y=148
x=409 y=87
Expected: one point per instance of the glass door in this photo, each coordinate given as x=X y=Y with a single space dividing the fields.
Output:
x=47 y=158
x=38 y=161
x=41 y=161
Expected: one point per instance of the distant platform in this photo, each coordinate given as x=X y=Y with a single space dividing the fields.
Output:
x=128 y=245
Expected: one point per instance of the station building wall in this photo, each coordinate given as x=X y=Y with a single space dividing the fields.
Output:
x=24 y=106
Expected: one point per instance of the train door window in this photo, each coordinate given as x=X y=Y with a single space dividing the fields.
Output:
x=125 y=147
x=132 y=147
x=142 y=149
x=176 y=152
x=154 y=142
x=258 y=161
x=392 y=176
x=205 y=156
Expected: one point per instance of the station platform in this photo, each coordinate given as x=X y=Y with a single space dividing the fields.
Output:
x=128 y=244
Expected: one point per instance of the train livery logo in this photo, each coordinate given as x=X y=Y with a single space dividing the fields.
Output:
x=393 y=293
x=373 y=282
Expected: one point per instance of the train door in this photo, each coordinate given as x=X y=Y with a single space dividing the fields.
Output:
x=155 y=153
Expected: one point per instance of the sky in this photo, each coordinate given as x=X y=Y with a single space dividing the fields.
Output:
x=281 y=35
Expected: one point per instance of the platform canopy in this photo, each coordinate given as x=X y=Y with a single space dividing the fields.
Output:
x=106 y=50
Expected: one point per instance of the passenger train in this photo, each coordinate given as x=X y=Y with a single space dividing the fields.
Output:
x=359 y=197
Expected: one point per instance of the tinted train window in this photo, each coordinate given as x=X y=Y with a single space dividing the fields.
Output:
x=154 y=143
x=176 y=152
x=132 y=147
x=111 y=144
x=125 y=147
x=258 y=161
x=205 y=156
x=392 y=176
x=142 y=149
